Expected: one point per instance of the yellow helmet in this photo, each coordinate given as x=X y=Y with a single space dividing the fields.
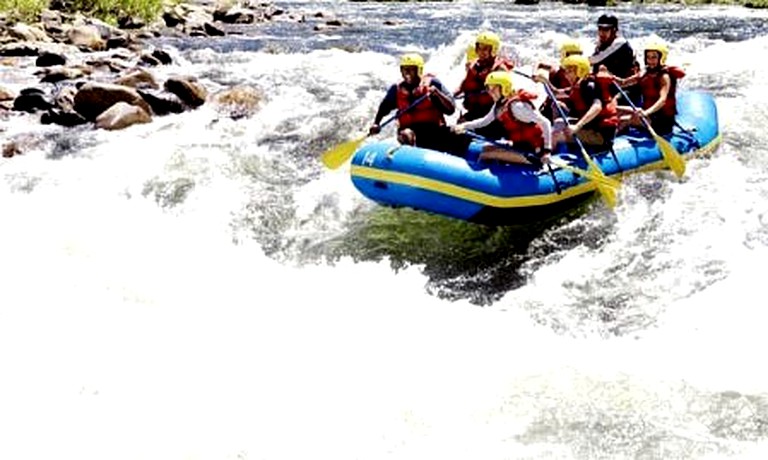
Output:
x=502 y=79
x=581 y=63
x=471 y=53
x=569 y=47
x=413 y=59
x=489 y=38
x=661 y=48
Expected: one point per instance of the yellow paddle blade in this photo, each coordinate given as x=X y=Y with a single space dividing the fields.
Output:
x=608 y=194
x=594 y=175
x=604 y=184
x=338 y=155
x=672 y=157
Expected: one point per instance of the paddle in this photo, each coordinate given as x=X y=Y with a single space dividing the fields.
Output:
x=608 y=193
x=671 y=156
x=603 y=180
x=337 y=156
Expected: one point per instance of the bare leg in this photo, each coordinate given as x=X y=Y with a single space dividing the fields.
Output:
x=407 y=137
x=493 y=153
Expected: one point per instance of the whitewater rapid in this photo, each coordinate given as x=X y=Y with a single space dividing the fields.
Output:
x=174 y=290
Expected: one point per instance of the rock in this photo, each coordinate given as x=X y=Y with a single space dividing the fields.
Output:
x=19 y=49
x=59 y=73
x=196 y=16
x=137 y=78
x=162 y=56
x=188 y=89
x=114 y=64
x=104 y=29
x=238 y=102
x=6 y=95
x=86 y=36
x=131 y=22
x=94 y=98
x=47 y=59
x=64 y=98
x=122 y=115
x=11 y=149
x=31 y=100
x=234 y=16
x=162 y=103
x=120 y=41
x=212 y=30
x=60 y=117
x=149 y=59
x=52 y=23
x=29 y=33
x=172 y=18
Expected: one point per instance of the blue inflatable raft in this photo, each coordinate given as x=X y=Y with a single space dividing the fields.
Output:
x=497 y=193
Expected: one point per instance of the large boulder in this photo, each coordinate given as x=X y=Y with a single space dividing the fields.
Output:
x=238 y=102
x=31 y=100
x=28 y=33
x=137 y=78
x=162 y=102
x=86 y=36
x=188 y=89
x=93 y=98
x=122 y=115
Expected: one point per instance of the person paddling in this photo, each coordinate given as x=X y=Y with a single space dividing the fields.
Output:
x=590 y=103
x=422 y=124
x=477 y=102
x=526 y=129
x=658 y=85
x=556 y=76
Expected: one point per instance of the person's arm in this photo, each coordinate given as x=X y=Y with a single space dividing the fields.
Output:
x=629 y=81
x=666 y=83
x=388 y=104
x=591 y=114
x=440 y=96
x=462 y=86
x=479 y=123
x=527 y=114
x=590 y=92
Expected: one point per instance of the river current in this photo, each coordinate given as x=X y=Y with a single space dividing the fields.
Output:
x=203 y=288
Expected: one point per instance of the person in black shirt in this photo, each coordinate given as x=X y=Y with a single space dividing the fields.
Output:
x=613 y=52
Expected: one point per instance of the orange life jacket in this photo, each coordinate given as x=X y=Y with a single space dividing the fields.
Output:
x=608 y=116
x=424 y=112
x=476 y=98
x=523 y=134
x=650 y=88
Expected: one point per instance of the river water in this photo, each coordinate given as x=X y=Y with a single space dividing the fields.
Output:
x=202 y=288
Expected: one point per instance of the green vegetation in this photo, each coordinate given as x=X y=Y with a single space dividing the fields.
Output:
x=111 y=10
x=23 y=9
x=107 y=10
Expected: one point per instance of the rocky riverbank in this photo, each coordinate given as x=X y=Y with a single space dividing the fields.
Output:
x=72 y=70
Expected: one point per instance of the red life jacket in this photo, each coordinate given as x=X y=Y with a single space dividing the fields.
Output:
x=650 y=88
x=608 y=116
x=558 y=80
x=520 y=133
x=476 y=98
x=424 y=112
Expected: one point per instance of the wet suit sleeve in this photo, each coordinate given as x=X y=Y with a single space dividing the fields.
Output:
x=444 y=100
x=388 y=104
